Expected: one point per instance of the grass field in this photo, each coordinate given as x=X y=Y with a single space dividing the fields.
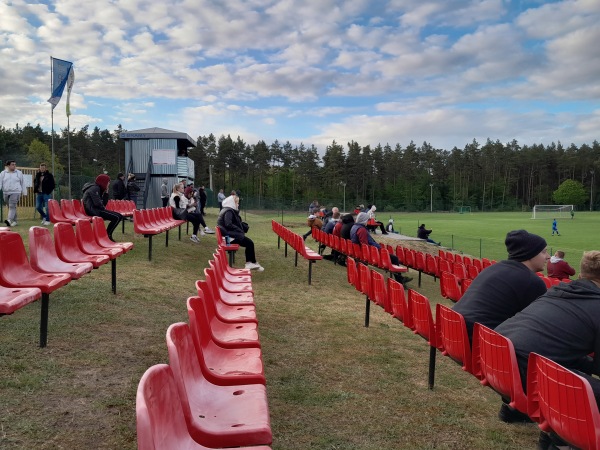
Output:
x=332 y=383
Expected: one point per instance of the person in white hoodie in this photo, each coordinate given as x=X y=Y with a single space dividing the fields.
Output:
x=12 y=184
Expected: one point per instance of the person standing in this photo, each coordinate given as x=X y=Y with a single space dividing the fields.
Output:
x=555 y=227
x=12 y=184
x=43 y=186
x=220 y=198
x=132 y=189
x=95 y=197
x=202 y=194
x=557 y=267
x=164 y=192
x=118 y=187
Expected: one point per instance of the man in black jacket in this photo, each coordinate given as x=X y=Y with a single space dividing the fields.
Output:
x=95 y=197
x=43 y=187
x=119 y=190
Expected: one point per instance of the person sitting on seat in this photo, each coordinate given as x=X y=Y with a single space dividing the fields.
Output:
x=95 y=198
x=390 y=227
x=360 y=235
x=562 y=325
x=557 y=267
x=423 y=233
x=312 y=221
x=231 y=225
x=373 y=223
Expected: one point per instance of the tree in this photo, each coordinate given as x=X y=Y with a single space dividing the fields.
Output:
x=38 y=152
x=570 y=192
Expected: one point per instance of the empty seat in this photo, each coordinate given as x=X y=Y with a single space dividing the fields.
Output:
x=12 y=299
x=226 y=313
x=216 y=416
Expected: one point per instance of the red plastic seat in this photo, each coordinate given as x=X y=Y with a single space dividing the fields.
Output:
x=68 y=209
x=56 y=214
x=12 y=299
x=431 y=264
x=43 y=257
x=67 y=249
x=221 y=365
x=226 y=313
x=386 y=263
x=217 y=416
x=228 y=335
x=160 y=422
x=80 y=210
x=453 y=338
x=398 y=300
x=495 y=364
x=229 y=298
x=87 y=241
x=366 y=288
x=230 y=283
x=232 y=270
x=229 y=248
x=16 y=272
x=562 y=402
x=450 y=287
x=102 y=238
x=424 y=326
x=380 y=296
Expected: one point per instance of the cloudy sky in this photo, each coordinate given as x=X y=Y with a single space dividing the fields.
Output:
x=311 y=71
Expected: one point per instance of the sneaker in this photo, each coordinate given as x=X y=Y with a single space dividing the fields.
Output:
x=13 y=223
x=511 y=415
x=406 y=280
x=46 y=222
x=7 y=222
x=43 y=220
x=254 y=266
x=202 y=233
x=208 y=230
x=194 y=238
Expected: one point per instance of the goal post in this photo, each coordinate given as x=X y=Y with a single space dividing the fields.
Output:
x=464 y=210
x=551 y=211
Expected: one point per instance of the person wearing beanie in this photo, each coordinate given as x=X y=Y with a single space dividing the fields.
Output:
x=119 y=191
x=312 y=221
x=562 y=325
x=95 y=197
x=347 y=224
x=503 y=289
x=360 y=235
x=390 y=227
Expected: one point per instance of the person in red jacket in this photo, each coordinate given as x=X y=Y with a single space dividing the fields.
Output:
x=557 y=267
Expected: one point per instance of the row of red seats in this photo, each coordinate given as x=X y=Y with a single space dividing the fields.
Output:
x=212 y=394
x=123 y=207
x=67 y=211
x=52 y=265
x=296 y=242
x=558 y=400
x=150 y=222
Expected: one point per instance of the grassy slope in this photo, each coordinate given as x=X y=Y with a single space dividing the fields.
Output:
x=332 y=383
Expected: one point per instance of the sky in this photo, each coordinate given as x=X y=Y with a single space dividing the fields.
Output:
x=311 y=71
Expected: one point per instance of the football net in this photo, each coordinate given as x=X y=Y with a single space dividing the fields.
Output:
x=551 y=211
x=464 y=209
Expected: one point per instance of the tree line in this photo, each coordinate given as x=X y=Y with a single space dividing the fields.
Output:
x=493 y=176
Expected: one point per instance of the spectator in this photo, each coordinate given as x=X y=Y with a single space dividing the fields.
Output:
x=557 y=267
x=220 y=198
x=164 y=192
x=505 y=288
x=202 y=195
x=562 y=325
x=329 y=227
x=360 y=235
x=231 y=225
x=313 y=207
x=390 y=227
x=43 y=186
x=95 y=197
x=132 y=189
x=373 y=223
x=423 y=233
x=12 y=184
x=312 y=221
x=118 y=187
x=347 y=224
x=555 y=227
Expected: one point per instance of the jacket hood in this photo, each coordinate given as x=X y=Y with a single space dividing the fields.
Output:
x=578 y=289
x=229 y=202
x=347 y=218
x=86 y=186
x=555 y=259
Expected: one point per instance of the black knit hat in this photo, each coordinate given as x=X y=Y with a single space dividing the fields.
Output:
x=522 y=245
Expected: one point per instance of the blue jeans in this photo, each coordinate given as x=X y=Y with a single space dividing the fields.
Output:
x=41 y=204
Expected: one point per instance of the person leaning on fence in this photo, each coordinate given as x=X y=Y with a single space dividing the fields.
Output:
x=43 y=186
x=95 y=198
x=360 y=235
x=562 y=325
x=231 y=225
x=12 y=184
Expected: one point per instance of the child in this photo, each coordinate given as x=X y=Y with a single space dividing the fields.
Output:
x=390 y=227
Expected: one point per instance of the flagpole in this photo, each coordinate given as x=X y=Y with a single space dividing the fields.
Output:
x=69 y=151
x=52 y=115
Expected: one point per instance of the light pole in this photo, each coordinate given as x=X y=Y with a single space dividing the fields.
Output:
x=100 y=164
x=344 y=184
x=592 y=191
x=431 y=197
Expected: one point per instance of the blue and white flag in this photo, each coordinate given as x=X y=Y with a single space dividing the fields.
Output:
x=70 y=82
x=60 y=74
